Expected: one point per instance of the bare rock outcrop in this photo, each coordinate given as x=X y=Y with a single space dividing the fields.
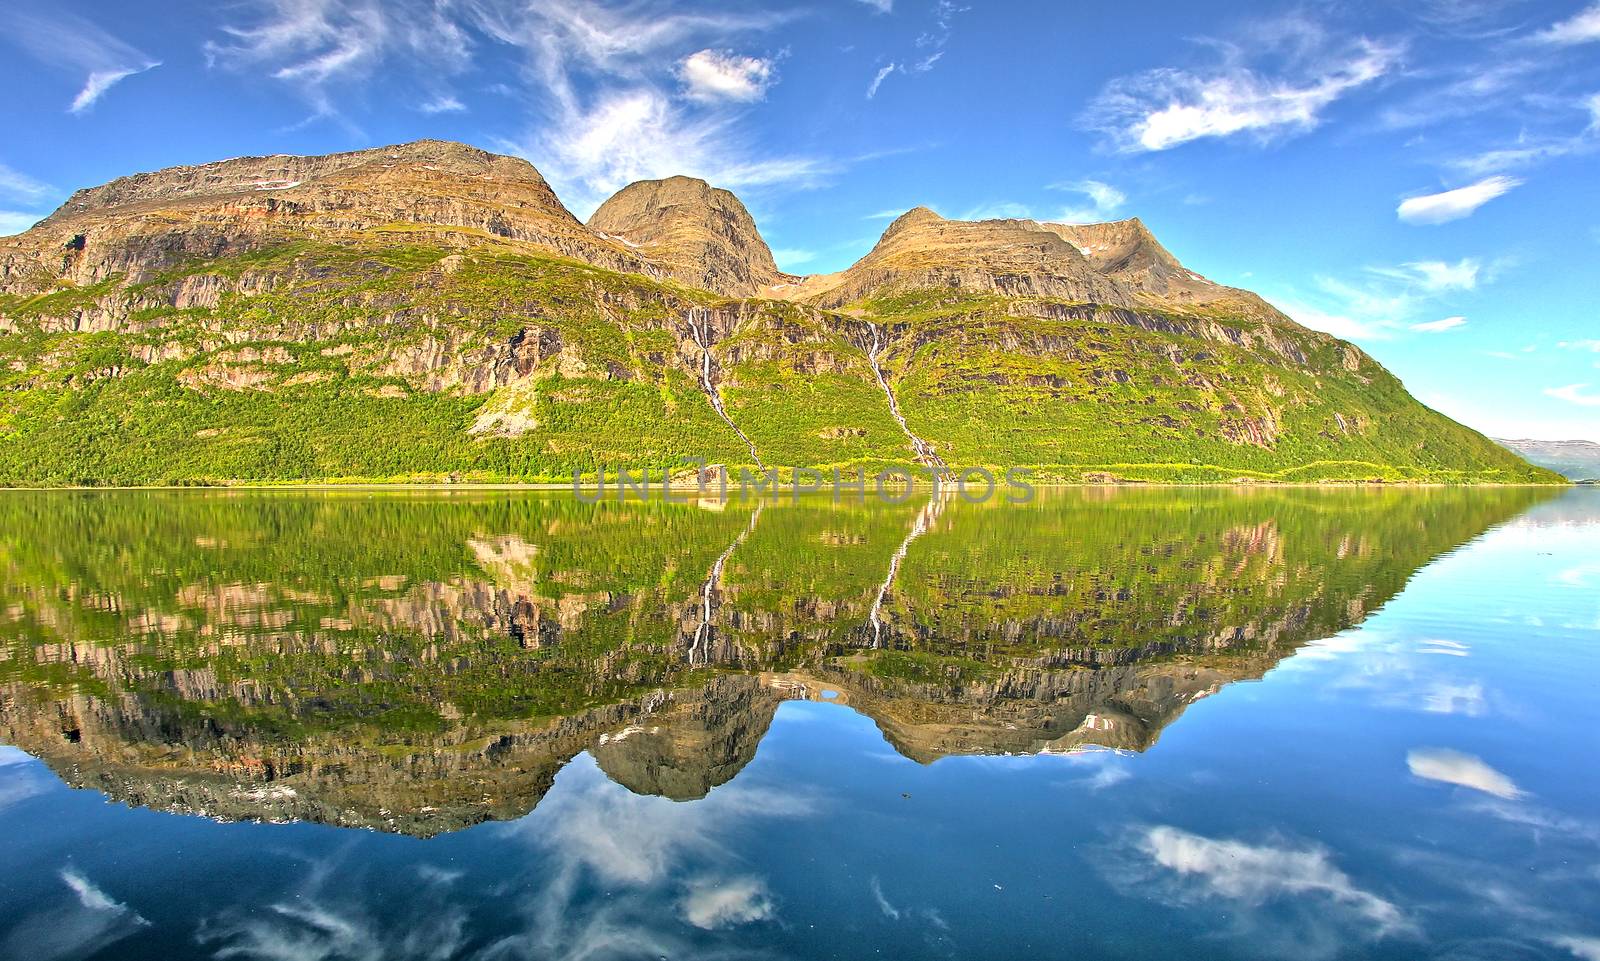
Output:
x=697 y=233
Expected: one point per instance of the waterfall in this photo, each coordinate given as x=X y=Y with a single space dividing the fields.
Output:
x=702 y=337
x=713 y=584
x=924 y=450
x=924 y=522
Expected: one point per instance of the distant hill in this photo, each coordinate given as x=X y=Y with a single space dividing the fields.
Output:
x=1572 y=459
x=431 y=310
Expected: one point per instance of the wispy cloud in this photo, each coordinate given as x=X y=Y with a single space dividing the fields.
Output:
x=712 y=75
x=1463 y=770
x=879 y=77
x=793 y=258
x=1454 y=204
x=89 y=924
x=1340 y=325
x=882 y=6
x=23 y=191
x=639 y=134
x=324 y=48
x=1389 y=299
x=1163 y=108
x=636 y=91
x=1280 y=897
x=713 y=902
x=442 y=104
x=926 y=51
x=69 y=41
x=17 y=187
x=1574 y=394
x=1583 y=27
x=1435 y=276
x=1256 y=872
x=1582 y=948
x=1104 y=201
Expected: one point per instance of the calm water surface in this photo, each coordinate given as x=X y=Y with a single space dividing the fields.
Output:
x=1109 y=724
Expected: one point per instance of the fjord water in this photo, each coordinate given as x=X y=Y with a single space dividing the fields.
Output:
x=1109 y=723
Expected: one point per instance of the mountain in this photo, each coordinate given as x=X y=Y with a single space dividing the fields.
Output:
x=420 y=664
x=430 y=310
x=1010 y=258
x=704 y=236
x=1573 y=459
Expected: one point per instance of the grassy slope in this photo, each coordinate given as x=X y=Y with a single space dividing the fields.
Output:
x=987 y=387
x=325 y=400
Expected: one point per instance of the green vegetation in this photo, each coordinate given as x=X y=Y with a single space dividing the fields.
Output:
x=387 y=651
x=383 y=361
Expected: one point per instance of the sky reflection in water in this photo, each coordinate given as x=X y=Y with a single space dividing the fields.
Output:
x=1290 y=724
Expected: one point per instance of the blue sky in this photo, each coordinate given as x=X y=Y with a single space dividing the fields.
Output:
x=1422 y=182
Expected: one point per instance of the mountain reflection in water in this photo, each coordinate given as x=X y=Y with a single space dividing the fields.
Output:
x=417 y=663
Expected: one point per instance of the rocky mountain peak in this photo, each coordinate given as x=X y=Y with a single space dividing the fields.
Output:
x=697 y=233
x=280 y=173
x=1016 y=258
x=138 y=225
x=1126 y=251
x=912 y=218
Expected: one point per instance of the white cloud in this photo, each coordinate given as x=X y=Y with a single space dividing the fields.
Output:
x=878 y=79
x=1253 y=873
x=99 y=82
x=1582 y=27
x=1436 y=275
x=1583 y=948
x=1464 y=770
x=1339 y=325
x=1587 y=344
x=712 y=75
x=790 y=257
x=1439 y=326
x=889 y=910
x=1574 y=394
x=1454 y=204
x=71 y=42
x=1162 y=108
x=90 y=924
x=999 y=210
x=323 y=47
x=21 y=188
x=1104 y=200
x=630 y=135
x=882 y=6
x=712 y=903
x=442 y=104
x=16 y=222
x=616 y=105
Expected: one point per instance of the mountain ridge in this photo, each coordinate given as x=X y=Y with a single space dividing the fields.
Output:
x=432 y=309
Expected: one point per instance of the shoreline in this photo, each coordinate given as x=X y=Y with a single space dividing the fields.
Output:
x=777 y=492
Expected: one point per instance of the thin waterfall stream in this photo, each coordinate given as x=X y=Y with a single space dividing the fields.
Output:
x=924 y=450
x=702 y=337
x=925 y=519
x=713 y=584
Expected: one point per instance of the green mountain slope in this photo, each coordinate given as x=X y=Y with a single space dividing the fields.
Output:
x=431 y=311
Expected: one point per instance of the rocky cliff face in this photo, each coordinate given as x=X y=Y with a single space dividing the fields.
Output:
x=423 y=664
x=1010 y=258
x=267 y=318
x=1127 y=252
x=697 y=233
x=136 y=227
